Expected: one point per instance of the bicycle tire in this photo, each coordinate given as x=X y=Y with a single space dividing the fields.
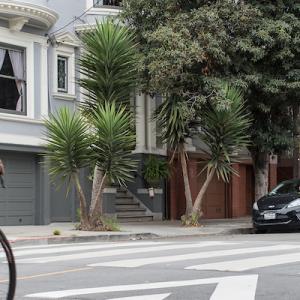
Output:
x=11 y=266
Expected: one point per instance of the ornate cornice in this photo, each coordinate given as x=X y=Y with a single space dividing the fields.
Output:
x=39 y=14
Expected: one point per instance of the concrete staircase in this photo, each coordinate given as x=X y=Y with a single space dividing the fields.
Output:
x=129 y=209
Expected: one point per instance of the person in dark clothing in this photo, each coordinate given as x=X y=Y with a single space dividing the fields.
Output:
x=2 y=172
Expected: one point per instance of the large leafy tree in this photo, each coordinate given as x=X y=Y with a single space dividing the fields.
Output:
x=188 y=47
x=266 y=62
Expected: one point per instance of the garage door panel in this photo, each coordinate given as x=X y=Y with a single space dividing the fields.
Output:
x=17 y=201
x=215 y=212
x=20 y=193
x=19 y=164
x=20 y=179
x=19 y=220
x=19 y=206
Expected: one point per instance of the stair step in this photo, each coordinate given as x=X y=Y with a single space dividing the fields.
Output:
x=135 y=218
x=129 y=209
x=131 y=213
x=124 y=197
x=127 y=205
x=122 y=192
x=127 y=202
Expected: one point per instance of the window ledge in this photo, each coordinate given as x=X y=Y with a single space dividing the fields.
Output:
x=63 y=96
x=19 y=118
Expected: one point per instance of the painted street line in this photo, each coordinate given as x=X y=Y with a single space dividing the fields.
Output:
x=133 y=263
x=71 y=248
x=49 y=246
x=145 y=297
x=117 y=252
x=249 y=263
x=48 y=274
x=228 y=288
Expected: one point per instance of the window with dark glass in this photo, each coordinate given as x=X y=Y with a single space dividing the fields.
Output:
x=62 y=74
x=12 y=81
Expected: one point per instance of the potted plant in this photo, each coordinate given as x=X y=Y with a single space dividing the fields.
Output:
x=155 y=169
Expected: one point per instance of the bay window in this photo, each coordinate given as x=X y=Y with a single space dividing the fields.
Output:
x=12 y=80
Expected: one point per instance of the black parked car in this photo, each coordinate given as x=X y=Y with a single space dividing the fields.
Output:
x=278 y=209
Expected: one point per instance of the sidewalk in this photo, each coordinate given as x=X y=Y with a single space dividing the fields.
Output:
x=23 y=235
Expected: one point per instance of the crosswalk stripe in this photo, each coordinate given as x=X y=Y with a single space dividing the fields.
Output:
x=15 y=248
x=132 y=263
x=145 y=297
x=249 y=263
x=71 y=248
x=116 y=252
x=228 y=288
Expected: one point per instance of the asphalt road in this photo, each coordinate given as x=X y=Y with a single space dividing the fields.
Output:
x=240 y=267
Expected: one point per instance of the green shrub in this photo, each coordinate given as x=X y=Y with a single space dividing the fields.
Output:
x=110 y=224
x=56 y=232
x=155 y=169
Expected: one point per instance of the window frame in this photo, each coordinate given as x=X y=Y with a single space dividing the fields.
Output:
x=24 y=81
x=66 y=60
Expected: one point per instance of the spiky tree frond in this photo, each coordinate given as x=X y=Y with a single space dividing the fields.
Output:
x=108 y=64
x=114 y=141
x=67 y=145
x=225 y=132
x=173 y=118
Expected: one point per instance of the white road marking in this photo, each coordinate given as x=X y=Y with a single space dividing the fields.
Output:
x=117 y=252
x=74 y=247
x=145 y=297
x=228 y=288
x=249 y=263
x=132 y=263
x=48 y=246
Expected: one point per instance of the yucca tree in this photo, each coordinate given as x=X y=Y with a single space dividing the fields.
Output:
x=108 y=64
x=173 y=118
x=72 y=144
x=113 y=143
x=224 y=131
x=108 y=67
x=68 y=150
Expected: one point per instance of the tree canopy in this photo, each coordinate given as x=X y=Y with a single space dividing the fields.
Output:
x=189 y=47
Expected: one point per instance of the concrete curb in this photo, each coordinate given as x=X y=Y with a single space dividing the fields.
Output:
x=119 y=237
x=81 y=239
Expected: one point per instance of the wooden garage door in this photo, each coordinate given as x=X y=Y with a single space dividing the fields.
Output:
x=214 y=199
x=17 y=200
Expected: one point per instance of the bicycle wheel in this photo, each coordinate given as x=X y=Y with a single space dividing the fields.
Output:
x=8 y=274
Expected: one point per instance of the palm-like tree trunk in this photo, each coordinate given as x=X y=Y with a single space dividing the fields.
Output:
x=187 y=189
x=84 y=220
x=97 y=179
x=97 y=210
x=197 y=208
